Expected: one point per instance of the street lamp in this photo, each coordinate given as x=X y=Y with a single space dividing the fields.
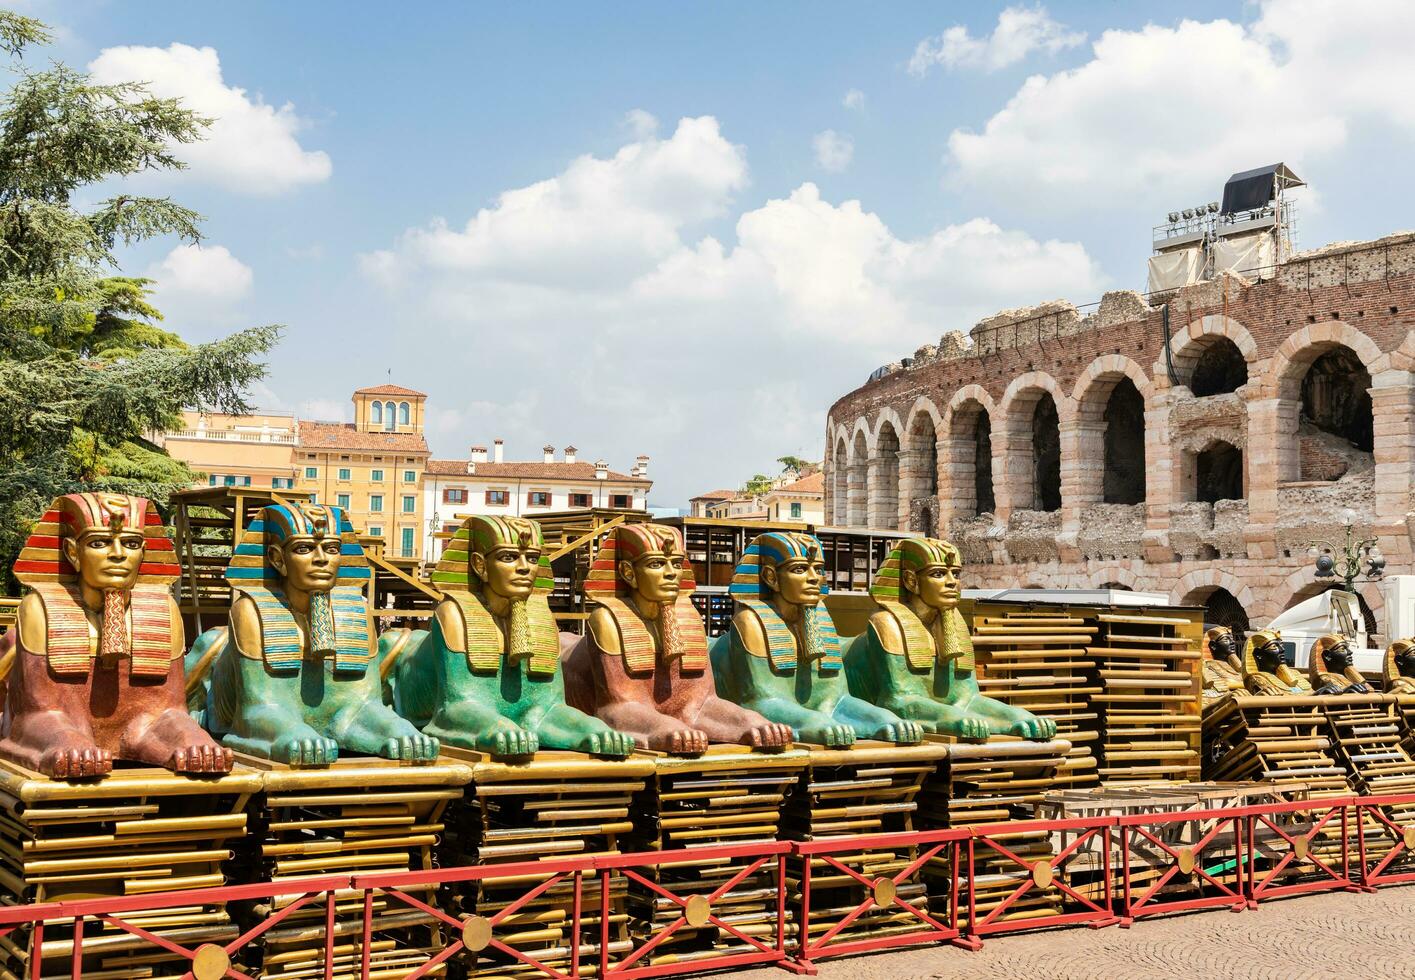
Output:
x=1346 y=564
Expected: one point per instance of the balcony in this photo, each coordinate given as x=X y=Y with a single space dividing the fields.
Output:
x=235 y=435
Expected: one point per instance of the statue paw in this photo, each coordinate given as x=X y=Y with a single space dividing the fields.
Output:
x=311 y=751
x=76 y=763
x=514 y=742
x=771 y=736
x=201 y=759
x=687 y=741
x=415 y=748
x=904 y=732
x=974 y=729
x=1037 y=729
x=610 y=743
x=838 y=736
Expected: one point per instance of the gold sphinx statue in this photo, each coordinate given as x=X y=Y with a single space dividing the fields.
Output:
x=1331 y=670
x=1264 y=670
x=1399 y=673
x=1223 y=673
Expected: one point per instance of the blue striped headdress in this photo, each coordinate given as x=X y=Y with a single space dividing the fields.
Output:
x=821 y=642
x=338 y=618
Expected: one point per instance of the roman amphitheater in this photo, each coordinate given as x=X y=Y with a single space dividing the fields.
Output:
x=1195 y=443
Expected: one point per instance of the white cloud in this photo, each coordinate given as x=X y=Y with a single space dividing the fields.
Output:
x=591 y=308
x=833 y=150
x=1019 y=32
x=641 y=123
x=1182 y=107
x=205 y=272
x=854 y=99
x=251 y=146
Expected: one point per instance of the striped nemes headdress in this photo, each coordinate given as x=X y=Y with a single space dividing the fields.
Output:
x=774 y=548
x=683 y=634
x=1212 y=634
x=1256 y=641
x=338 y=619
x=43 y=567
x=1399 y=650
x=1317 y=659
x=918 y=555
x=531 y=631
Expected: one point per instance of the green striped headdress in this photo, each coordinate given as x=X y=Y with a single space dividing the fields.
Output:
x=917 y=555
x=531 y=631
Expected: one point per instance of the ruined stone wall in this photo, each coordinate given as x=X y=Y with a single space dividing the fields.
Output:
x=1297 y=481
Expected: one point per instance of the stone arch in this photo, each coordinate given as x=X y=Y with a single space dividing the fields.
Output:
x=919 y=469
x=1114 y=573
x=856 y=491
x=967 y=459
x=1201 y=579
x=887 y=416
x=883 y=477
x=1032 y=412
x=1187 y=345
x=840 y=480
x=861 y=440
x=1108 y=450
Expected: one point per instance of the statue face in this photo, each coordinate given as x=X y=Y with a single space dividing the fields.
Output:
x=797 y=581
x=508 y=571
x=656 y=578
x=1269 y=655
x=306 y=563
x=1338 y=657
x=1222 y=646
x=936 y=586
x=1405 y=662
x=106 y=559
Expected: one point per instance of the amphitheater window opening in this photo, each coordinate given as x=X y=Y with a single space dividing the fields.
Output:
x=1222 y=608
x=885 y=492
x=1220 y=369
x=1124 y=416
x=1336 y=397
x=840 y=490
x=924 y=440
x=984 y=502
x=925 y=521
x=1046 y=455
x=1219 y=473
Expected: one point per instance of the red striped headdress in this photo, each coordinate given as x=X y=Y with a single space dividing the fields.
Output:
x=682 y=628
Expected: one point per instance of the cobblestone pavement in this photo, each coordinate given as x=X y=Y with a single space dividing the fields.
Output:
x=1346 y=936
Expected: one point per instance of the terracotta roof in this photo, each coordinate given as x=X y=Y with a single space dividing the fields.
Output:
x=343 y=435
x=815 y=483
x=576 y=472
x=391 y=390
x=717 y=495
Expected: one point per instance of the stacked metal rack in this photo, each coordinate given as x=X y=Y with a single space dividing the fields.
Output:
x=1366 y=732
x=1149 y=667
x=1035 y=657
x=136 y=831
x=559 y=804
x=357 y=816
x=1281 y=741
x=869 y=788
x=730 y=795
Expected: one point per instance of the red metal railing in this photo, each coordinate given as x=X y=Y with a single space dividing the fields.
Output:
x=1232 y=857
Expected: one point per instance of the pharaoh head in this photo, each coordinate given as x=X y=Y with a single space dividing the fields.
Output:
x=1264 y=652
x=792 y=567
x=929 y=570
x=1330 y=654
x=505 y=556
x=105 y=543
x=1220 y=641
x=303 y=546
x=650 y=561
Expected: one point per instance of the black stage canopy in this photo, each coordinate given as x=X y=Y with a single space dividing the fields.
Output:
x=1252 y=189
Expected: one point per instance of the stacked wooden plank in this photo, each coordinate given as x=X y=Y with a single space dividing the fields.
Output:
x=1148 y=708
x=1282 y=741
x=997 y=781
x=558 y=805
x=869 y=788
x=360 y=815
x=133 y=832
x=730 y=795
x=1035 y=657
x=1367 y=732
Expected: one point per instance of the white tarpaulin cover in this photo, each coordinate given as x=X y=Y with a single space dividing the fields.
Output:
x=1171 y=270
x=1243 y=253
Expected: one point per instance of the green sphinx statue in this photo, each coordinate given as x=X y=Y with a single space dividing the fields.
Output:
x=486 y=676
x=781 y=658
x=916 y=655
x=290 y=680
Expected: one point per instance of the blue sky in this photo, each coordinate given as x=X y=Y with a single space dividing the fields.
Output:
x=685 y=229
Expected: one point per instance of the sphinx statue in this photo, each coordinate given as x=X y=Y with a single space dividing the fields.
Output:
x=97 y=675
x=1331 y=670
x=1264 y=670
x=290 y=680
x=1399 y=670
x=782 y=657
x=1223 y=672
x=916 y=655
x=487 y=676
x=642 y=667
